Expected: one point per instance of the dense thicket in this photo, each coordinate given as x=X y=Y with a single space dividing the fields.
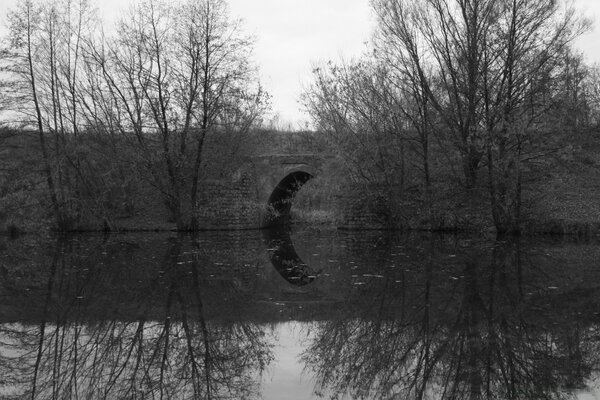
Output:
x=452 y=88
x=136 y=107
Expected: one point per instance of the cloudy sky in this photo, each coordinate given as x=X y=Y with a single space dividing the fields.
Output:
x=293 y=35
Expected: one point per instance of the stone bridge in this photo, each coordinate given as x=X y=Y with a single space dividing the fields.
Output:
x=259 y=194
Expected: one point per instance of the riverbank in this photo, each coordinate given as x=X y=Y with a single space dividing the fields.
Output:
x=559 y=197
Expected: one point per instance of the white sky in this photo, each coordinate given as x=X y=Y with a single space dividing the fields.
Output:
x=293 y=35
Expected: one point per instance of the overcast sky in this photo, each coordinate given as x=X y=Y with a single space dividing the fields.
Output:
x=293 y=35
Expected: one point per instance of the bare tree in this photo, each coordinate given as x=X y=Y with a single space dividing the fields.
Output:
x=41 y=62
x=179 y=73
x=527 y=43
x=172 y=75
x=22 y=63
x=345 y=101
x=487 y=60
x=447 y=38
x=380 y=119
x=368 y=118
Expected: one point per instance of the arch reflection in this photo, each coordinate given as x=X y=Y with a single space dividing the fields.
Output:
x=284 y=258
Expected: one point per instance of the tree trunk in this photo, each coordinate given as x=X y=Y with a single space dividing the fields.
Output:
x=60 y=220
x=505 y=195
x=471 y=161
x=194 y=221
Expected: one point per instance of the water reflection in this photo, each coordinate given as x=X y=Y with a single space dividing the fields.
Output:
x=424 y=317
x=284 y=258
x=475 y=324
x=109 y=334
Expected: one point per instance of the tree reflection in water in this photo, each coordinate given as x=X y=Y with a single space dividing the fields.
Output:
x=139 y=317
x=86 y=345
x=478 y=324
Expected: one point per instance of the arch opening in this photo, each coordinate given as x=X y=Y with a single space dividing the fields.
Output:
x=280 y=201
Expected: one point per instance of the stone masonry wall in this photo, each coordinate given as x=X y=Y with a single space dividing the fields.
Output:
x=229 y=205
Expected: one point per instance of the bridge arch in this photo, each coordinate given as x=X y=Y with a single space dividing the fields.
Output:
x=279 y=178
x=259 y=194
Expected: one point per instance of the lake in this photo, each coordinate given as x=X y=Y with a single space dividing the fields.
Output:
x=299 y=315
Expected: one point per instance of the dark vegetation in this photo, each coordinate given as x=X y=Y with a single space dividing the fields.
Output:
x=119 y=194
x=461 y=115
x=170 y=78
x=468 y=114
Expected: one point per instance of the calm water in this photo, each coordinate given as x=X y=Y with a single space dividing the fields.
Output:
x=270 y=315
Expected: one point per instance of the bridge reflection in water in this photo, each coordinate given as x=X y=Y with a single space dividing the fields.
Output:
x=143 y=316
x=284 y=258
